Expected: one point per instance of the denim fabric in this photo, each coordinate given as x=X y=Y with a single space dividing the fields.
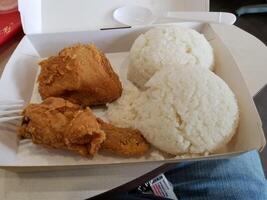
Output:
x=239 y=178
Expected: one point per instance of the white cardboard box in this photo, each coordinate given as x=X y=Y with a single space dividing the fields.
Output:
x=19 y=76
x=39 y=16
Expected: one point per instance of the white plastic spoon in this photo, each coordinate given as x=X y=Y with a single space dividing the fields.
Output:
x=137 y=15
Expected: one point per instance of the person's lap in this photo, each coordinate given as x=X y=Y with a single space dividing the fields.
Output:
x=240 y=177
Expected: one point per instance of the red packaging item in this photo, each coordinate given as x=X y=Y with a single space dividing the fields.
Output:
x=10 y=24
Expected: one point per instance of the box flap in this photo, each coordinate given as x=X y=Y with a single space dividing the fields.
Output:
x=31 y=15
x=46 y=16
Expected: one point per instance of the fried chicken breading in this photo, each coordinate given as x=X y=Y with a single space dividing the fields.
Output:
x=60 y=124
x=81 y=74
x=123 y=141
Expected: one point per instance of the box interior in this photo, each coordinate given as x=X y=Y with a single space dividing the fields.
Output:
x=22 y=67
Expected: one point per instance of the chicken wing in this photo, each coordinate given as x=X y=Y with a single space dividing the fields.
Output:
x=59 y=124
x=81 y=74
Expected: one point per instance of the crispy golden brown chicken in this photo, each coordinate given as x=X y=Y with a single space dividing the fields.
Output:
x=59 y=124
x=123 y=141
x=81 y=74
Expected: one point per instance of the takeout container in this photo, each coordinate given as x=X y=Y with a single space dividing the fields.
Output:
x=19 y=76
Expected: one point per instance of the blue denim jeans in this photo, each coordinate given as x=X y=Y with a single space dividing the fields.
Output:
x=239 y=178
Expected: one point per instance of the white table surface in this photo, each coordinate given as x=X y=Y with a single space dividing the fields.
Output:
x=248 y=51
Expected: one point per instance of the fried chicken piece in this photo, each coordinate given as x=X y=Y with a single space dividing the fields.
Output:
x=60 y=124
x=123 y=141
x=81 y=74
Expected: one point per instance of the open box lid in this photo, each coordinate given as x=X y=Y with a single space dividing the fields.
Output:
x=47 y=16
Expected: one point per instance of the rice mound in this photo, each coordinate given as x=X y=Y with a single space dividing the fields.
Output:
x=121 y=112
x=167 y=45
x=185 y=109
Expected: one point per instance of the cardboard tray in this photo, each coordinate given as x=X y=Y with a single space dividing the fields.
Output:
x=19 y=77
x=49 y=27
